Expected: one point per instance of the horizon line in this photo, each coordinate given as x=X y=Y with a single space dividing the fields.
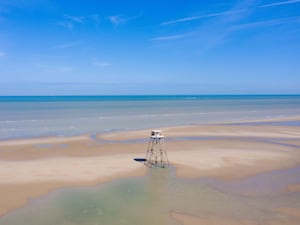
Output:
x=133 y=95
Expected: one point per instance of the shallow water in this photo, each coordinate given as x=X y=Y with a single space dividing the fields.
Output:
x=149 y=200
x=22 y=117
x=269 y=184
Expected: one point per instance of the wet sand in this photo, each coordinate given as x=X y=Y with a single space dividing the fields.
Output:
x=31 y=168
x=226 y=131
x=293 y=188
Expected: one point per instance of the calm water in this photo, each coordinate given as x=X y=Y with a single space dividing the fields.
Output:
x=39 y=116
x=149 y=200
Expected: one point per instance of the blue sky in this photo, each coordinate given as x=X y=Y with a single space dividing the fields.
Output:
x=60 y=47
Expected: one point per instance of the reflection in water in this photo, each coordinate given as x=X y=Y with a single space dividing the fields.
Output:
x=147 y=200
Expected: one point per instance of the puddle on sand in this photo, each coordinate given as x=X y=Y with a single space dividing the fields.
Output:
x=146 y=200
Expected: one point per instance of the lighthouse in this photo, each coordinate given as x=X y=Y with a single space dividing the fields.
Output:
x=156 y=154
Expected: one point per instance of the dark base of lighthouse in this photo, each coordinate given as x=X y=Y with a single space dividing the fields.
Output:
x=156 y=164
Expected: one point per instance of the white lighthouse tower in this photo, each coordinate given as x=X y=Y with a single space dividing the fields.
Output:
x=156 y=153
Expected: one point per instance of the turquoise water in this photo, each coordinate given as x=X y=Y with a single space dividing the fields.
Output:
x=73 y=115
x=149 y=200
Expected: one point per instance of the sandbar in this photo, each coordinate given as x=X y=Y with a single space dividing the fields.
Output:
x=28 y=171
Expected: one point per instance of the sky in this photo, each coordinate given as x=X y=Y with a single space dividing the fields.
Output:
x=134 y=47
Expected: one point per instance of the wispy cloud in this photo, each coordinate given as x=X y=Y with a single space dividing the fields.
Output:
x=70 y=21
x=218 y=29
x=67 y=45
x=75 y=19
x=66 y=24
x=280 y=3
x=171 y=37
x=99 y=63
x=267 y=23
x=117 y=20
x=186 y=19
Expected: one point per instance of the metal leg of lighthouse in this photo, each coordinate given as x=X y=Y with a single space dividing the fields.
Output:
x=163 y=154
x=156 y=154
x=148 y=153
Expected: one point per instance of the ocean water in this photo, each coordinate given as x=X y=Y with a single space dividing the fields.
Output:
x=149 y=200
x=72 y=115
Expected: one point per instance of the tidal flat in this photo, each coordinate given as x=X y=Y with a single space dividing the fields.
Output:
x=157 y=198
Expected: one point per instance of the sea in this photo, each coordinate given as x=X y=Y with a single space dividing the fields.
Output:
x=37 y=116
x=151 y=199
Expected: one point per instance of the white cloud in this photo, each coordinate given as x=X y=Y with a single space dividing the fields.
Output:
x=171 y=37
x=117 y=20
x=98 y=63
x=280 y=3
x=186 y=19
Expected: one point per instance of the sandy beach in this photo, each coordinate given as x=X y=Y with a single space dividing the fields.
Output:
x=31 y=168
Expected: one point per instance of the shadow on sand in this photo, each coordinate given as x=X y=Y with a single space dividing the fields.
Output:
x=140 y=160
